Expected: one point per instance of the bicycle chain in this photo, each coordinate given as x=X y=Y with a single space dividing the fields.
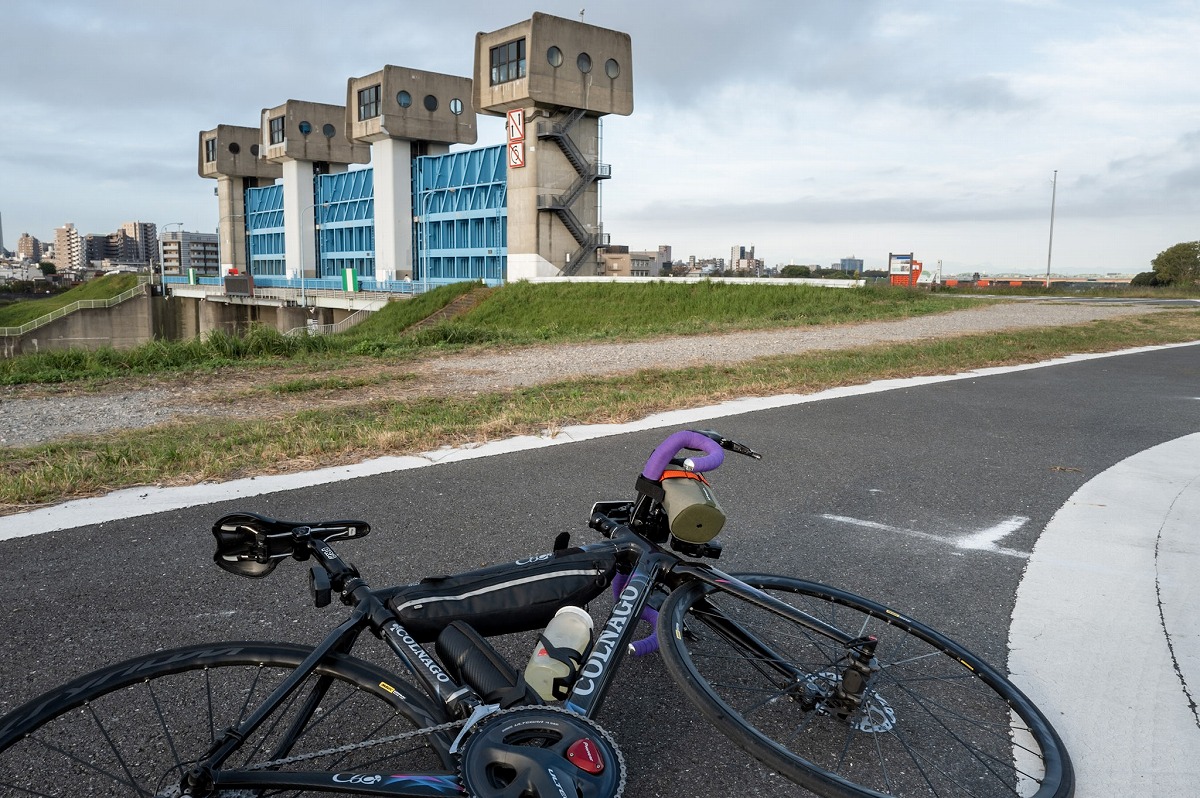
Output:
x=454 y=724
x=345 y=749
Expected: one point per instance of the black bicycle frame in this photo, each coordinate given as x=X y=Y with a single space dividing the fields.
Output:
x=650 y=566
x=611 y=644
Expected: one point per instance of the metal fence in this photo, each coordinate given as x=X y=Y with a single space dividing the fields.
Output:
x=83 y=304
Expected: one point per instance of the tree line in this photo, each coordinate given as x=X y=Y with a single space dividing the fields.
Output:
x=1178 y=265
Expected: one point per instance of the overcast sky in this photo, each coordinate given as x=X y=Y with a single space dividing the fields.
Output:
x=814 y=129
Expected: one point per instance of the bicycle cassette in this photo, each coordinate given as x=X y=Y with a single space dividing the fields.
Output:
x=541 y=752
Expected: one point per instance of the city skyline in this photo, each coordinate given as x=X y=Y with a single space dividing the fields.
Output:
x=814 y=132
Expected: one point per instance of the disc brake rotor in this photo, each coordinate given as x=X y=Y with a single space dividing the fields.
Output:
x=542 y=752
x=874 y=714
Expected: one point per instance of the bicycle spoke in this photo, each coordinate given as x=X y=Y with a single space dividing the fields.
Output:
x=924 y=724
x=128 y=730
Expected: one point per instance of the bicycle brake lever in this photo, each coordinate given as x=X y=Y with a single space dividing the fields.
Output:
x=729 y=445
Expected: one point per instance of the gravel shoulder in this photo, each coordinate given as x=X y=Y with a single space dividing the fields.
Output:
x=37 y=414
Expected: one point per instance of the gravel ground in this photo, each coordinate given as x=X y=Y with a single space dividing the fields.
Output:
x=29 y=416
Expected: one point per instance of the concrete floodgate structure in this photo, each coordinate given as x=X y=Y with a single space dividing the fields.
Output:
x=303 y=229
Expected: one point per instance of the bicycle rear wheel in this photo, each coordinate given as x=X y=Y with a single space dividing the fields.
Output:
x=934 y=720
x=133 y=729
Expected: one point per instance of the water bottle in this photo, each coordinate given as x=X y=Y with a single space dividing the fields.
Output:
x=559 y=653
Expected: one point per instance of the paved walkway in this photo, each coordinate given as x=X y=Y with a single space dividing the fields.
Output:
x=1112 y=593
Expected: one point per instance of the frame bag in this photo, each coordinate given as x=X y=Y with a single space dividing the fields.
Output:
x=503 y=599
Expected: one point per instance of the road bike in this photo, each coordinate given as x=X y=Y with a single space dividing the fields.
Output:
x=842 y=695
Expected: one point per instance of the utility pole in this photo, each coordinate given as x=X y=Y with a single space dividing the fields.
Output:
x=1050 y=250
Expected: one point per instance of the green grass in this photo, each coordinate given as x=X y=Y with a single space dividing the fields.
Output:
x=527 y=312
x=187 y=453
x=334 y=382
x=18 y=313
x=518 y=313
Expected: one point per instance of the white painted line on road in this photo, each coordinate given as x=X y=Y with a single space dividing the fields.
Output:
x=986 y=539
x=148 y=500
x=983 y=540
x=1111 y=598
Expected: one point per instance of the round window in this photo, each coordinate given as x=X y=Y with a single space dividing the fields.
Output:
x=234 y=147
x=431 y=103
x=254 y=150
x=404 y=99
x=328 y=130
x=554 y=56
x=584 y=61
x=612 y=68
x=456 y=106
x=305 y=128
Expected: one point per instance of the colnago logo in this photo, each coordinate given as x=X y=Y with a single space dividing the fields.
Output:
x=606 y=643
x=533 y=559
x=356 y=778
x=420 y=653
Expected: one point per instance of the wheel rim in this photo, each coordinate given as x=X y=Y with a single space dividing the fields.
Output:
x=929 y=723
x=118 y=735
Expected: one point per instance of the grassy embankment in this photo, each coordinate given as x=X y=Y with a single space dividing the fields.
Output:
x=17 y=313
x=213 y=450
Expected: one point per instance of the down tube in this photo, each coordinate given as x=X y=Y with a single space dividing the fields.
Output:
x=612 y=643
x=731 y=584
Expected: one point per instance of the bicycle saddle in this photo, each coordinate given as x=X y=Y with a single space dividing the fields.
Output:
x=250 y=544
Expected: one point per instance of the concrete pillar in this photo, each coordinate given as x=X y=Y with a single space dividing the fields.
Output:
x=392 y=162
x=299 y=236
x=231 y=227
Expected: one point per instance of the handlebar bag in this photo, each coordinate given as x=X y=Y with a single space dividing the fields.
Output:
x=503 y=599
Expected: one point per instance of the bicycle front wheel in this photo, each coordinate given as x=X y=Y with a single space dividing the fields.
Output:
x=134 y=729
x=933 y=720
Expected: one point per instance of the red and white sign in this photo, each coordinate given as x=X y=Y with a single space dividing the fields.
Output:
x=516 y=154
x=516 y=125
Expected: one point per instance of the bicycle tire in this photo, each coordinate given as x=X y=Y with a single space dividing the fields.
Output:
x=134 y=727
x=935 y=720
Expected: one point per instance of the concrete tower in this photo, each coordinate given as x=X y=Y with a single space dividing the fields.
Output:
x=306 y=139
x=231 y=155
x=404 y=113
x=554 y=78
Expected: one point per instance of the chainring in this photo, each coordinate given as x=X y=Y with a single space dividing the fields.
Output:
x=541 y=752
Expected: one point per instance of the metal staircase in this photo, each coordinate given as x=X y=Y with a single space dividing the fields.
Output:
x=560 y=204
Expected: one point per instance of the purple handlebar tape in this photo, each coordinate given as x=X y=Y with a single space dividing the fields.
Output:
x=714 y=455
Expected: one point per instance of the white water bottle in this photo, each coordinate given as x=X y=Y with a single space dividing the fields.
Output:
x=569 y=634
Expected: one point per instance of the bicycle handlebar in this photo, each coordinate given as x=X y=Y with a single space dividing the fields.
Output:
x=714 y=455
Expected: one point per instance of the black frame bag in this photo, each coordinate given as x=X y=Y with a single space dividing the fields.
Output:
x=503 y=599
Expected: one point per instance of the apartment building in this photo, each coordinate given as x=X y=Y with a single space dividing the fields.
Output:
x=69 y=252
x=183 y=250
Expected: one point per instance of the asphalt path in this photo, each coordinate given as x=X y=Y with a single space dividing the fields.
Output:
x=926 y=497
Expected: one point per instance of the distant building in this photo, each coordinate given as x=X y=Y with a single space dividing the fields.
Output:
x=851 y=264
x=118 y=248
x=740 y=253
x=183 y=250
x=29 y=248
x=69 y=253
x=144 y=238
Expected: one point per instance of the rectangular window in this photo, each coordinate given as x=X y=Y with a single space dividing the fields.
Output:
x=508 y=61
x=277 y=130
x=210 y=150
x=368 y=102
